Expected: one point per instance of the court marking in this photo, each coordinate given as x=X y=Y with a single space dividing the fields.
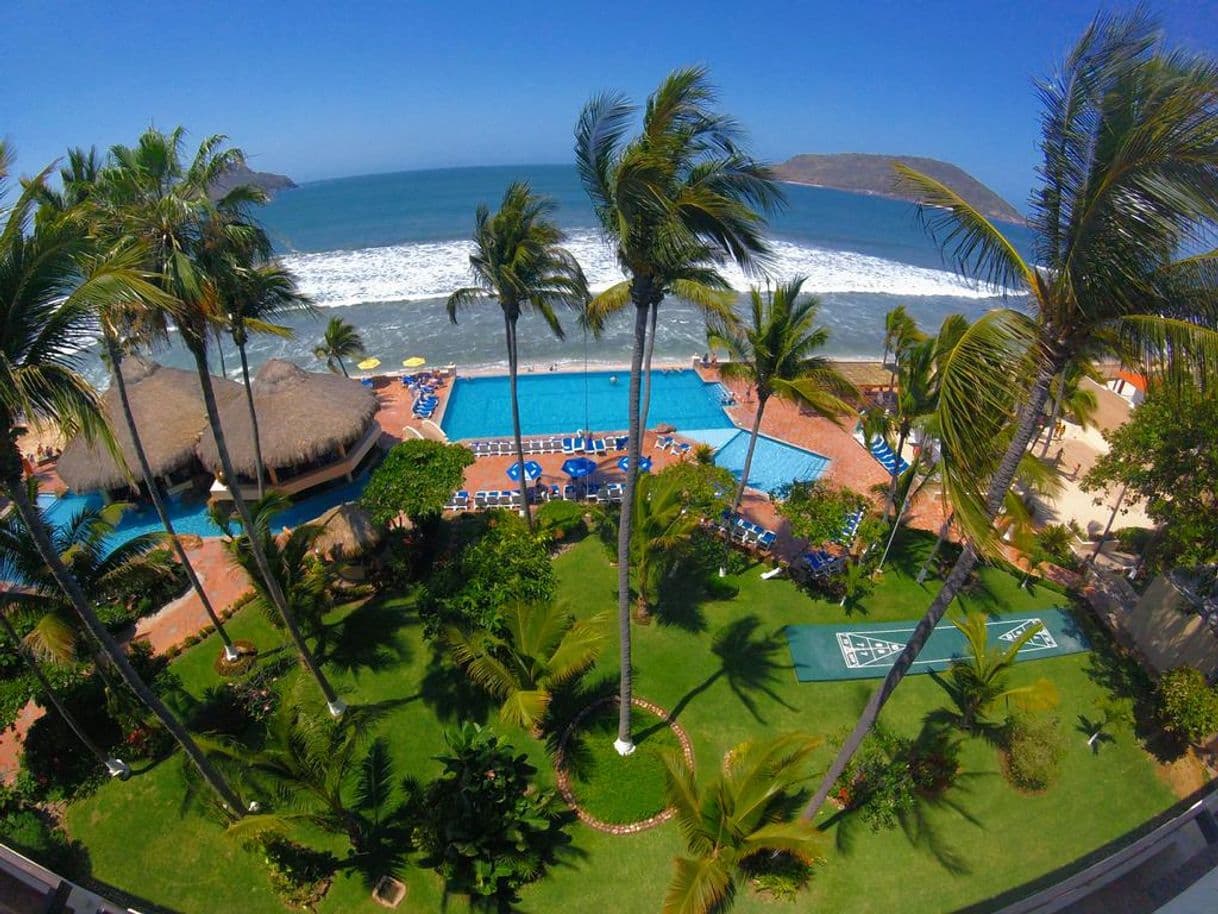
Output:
x=862 y=650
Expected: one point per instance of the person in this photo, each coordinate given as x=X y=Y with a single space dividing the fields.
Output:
x=1078 y=466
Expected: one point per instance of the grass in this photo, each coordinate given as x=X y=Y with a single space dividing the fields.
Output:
x=598 y=773
x=721 y=667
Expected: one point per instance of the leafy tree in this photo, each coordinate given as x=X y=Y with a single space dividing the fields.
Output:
x=677 y=201
x=483 y=824
x=416 y=479
x=1167 y=454
x=743 y=812
x=1129 y=177
x=540 y=648
x=518 y=260
x=1188 y=704
x=816 y=512
x=776 y=352
x=340 y=341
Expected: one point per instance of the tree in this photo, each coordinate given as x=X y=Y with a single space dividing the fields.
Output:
x=743 y=812
x=519 y=261
x=776 y=352
x=677 y=201
x=664 y=530
x=900 y=333
x=1167 y=455
x=913 y=403
x=540 y=648
x=979 y=681
x=1071 y=399
x=50 y=286
x=483 y=824
x=817 y=512
x=341 y=340
x=1129 y=176
x=417 y=479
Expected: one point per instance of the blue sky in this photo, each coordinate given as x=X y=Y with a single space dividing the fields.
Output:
x=323 y=89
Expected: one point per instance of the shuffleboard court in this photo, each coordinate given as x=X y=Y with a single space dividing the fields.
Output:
x=827 y=652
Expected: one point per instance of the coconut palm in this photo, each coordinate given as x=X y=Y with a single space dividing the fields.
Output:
x=741 y=814
x=518 y=260
x=664 y=527
x=341 y=340
x=540 y=648
x=677 y=201
x=153 y=196
x=1071 y=400
x=49 y=291
x=913 y=402
x=775 y=350
x=1129 y=177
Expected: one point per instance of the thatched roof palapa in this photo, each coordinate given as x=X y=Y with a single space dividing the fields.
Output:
x=302 y=416
x=168 y=407
x=347 y=532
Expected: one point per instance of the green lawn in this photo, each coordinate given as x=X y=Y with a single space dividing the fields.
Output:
x=722 y=667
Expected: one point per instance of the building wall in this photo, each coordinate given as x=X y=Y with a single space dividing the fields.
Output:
x=1169 y=633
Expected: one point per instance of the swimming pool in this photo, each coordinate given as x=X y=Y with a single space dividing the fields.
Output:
x=558 y=402
x=775 y=463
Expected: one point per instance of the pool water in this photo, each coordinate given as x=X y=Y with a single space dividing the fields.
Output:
x=775 y=463
x=564 y=402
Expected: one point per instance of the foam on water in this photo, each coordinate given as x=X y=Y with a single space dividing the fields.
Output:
x=422 y=270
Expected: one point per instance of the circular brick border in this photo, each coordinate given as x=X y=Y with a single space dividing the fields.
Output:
x=563 y=779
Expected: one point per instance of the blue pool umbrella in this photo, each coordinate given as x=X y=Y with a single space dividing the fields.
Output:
x=644 y=464
x=532 y=469
x=579 y=467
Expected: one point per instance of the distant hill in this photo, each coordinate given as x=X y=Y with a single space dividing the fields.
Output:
x=242 y=174
x=873 y=174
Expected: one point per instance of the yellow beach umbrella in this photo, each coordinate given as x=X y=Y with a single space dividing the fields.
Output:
x=415 y=361
x=368 y=364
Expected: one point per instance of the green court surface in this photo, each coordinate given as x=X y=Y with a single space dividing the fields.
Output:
x=825 y=652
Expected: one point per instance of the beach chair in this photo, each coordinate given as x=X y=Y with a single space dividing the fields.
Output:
x=663 y=442
x=621 y=442
x=480 y=499
x=568 y=445
x=765 y=542
x=594 y=492
x=680 y=448
x=568 y=492
x=615 y=491
x=515 y=499
x=598 y=447
x=461 y=500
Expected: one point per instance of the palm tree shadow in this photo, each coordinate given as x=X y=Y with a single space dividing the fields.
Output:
x=367 y=639
x=451 y=694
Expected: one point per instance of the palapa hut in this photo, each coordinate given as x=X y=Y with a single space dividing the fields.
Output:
x=169 y=414
x=349 y=537
x=313 y=427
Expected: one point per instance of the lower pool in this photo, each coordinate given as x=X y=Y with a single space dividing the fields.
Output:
x=775 y=463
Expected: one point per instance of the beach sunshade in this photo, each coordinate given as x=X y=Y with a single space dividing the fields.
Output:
x=579 y=467
x=415 y=361
x=644 y=464
x=368 y=364
x=532 y=469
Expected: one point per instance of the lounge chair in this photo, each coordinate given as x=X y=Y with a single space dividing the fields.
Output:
x=598 y=446
x=765 y=542
x=568 y=492
x=621 y=442
x=594 y=492
x=481 y=498
x=681 y=448
x=568 y=445
x=663 y=442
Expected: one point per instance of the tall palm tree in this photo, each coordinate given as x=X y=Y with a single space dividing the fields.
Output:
x=678 y=200
x=741 y=814
x=1071 y=399
x=519 y=261
x=341 y=340
x=49 y=291
x=152 y=195
x=664 y=526
x=913 y=402
x=900 y=332
x=1129 y=177
x=776 y=351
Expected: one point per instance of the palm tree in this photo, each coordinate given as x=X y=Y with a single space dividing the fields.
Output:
x=1071 y=399
x=900 y=333
x=1129 y=176
x=49 y=290
x=776 y=352
x=913 y=403
x=664 y=527
x=153 y=196
x=678 y=200
x=541 y=648
x=340 y=340
x=518 y=260
x=741 y=814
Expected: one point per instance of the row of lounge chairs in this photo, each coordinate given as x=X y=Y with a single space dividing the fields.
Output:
x=821 y=563
x=570 y=444
x=672 y=445
x=740 y=529
x=594 y=492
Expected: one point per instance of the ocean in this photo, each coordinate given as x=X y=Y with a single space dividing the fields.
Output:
x=383 y=251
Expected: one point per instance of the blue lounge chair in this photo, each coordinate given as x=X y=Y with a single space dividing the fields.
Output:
x=598 y=446
x=621 y=442
x=367 y=382
x=765 y=542
x=663 y=442
x=568 y=445
x=680 y=449
x=888 y=459
x=568 y=492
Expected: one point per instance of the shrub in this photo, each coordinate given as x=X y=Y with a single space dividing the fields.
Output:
x=1034 y=747
x=1188 y=705
x=299 y=875
x=29 y=832
x=1052 y=544
x=889 y=773
x=558 y=521
x=780 y=876
x=416 y=478
x=59 y=767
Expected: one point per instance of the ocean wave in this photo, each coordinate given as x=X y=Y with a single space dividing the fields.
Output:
x=423 y=270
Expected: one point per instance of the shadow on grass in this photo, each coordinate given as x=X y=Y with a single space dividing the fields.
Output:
x=681 y=596
x=367 y=639
x=452 y=696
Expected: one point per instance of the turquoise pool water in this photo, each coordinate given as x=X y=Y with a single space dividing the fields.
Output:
x=556 y=403
x=775 y=463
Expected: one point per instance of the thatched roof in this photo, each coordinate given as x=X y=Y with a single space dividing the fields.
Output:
x=864 y=374
x=348 y=531
x=301 y=416
x=169 y=414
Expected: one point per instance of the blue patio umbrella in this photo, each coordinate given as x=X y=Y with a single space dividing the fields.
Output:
x=644 y=464
x=532 y=469
x=579 y=467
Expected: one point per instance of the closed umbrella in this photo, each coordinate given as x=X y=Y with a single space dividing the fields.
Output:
x=532 y=469
x=644 y=464
x=579 y=467
x=368 y=364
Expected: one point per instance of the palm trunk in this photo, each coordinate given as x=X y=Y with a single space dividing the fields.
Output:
x=71 y=588
x=1057 y=408
x=652 y=314
x=624 y=744
x=115 y=766
x=154 y=493
x=510 y=328
x=335 y=705
x=999 y=486
x=342 y=365
x=220 y=351
x=891 y=504
x=944 y=529
x=748 y=458
x=259 y=468
x=1099 y=546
